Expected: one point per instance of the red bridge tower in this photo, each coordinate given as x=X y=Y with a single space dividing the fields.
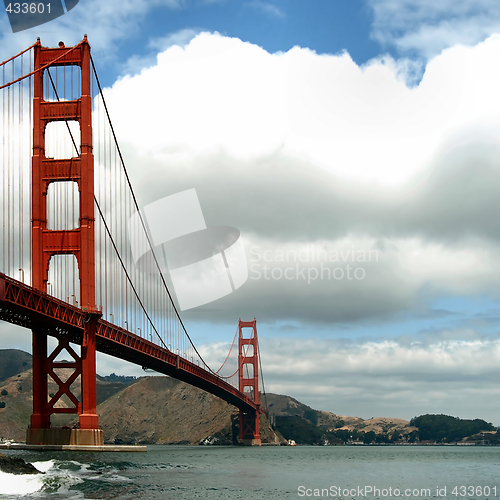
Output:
x=248 y=364
x=79 y=242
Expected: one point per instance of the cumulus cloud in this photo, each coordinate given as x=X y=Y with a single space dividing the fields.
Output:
x=427 y=27
x=222 y=94
x=135 y=63
x=300 y=149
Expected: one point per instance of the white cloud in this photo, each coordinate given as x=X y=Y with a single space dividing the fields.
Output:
x=381 y=378
x=105 y=23
x=360 y=123
x=299 y=148
x=180 y=38
x=136 y=63
x=427 y=27
x=267 y=8
x=346 y=157
x=210 y=96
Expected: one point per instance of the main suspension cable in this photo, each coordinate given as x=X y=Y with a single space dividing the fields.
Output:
x=17 y=55
x=142 y=220
x=230 y=349
x=107 y=227
x=262 y=378
x=41 y=68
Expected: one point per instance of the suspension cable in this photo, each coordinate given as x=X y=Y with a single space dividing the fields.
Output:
x=108 y=230
x=262 y=378
x=240 y=364
x=142 y=220
x=126 y=272
x=17 y=55
x=230 y=349
x=41 y=68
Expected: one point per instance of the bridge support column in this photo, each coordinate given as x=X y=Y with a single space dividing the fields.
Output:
x=89 y=432
x=249 y=429
x=248 y=363
x=89 y=419
x=40 y=431
x=40 y=419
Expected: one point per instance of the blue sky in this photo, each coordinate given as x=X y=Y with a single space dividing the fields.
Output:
x=324 y=26
x=328 y=124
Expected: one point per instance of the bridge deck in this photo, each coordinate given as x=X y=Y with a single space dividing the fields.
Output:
x=22 y=305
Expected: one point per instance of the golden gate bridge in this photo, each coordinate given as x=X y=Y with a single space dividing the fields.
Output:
x=66 y=264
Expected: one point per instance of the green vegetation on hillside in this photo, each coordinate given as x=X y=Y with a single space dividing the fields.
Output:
x=12 y=362
x=106 y=388
x=299 y=429
x=297 y=421
x=446 y=429
x=120 y=378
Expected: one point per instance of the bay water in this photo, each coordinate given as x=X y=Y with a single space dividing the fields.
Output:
x=267 y=472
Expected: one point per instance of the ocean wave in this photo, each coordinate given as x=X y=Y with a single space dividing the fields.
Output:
x=20 y=484
x=66 y=479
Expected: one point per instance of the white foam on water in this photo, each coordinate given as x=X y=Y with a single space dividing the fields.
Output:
x=56 y=480
x=22 y=484
x=115 y=478
x=84 y=469
x=61 y=477
x=43 y=466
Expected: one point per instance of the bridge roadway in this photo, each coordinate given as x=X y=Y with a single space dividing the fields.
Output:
x=25 y=306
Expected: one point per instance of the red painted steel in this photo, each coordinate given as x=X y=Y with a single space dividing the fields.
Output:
x=88 y=415
x=40 y=419
x=64 y=387
x=78 y=242
x=68 y=169
x=249 y=420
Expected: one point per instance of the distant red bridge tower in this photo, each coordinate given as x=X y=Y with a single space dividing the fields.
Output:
x=248 y=364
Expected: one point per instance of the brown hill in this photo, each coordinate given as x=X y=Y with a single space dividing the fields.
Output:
x=163 y=410
x=153 y=410
x=381 y=425
x=284 y=408
x=16 y=393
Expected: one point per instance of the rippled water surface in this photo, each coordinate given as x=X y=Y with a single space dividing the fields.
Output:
x=190 y=472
